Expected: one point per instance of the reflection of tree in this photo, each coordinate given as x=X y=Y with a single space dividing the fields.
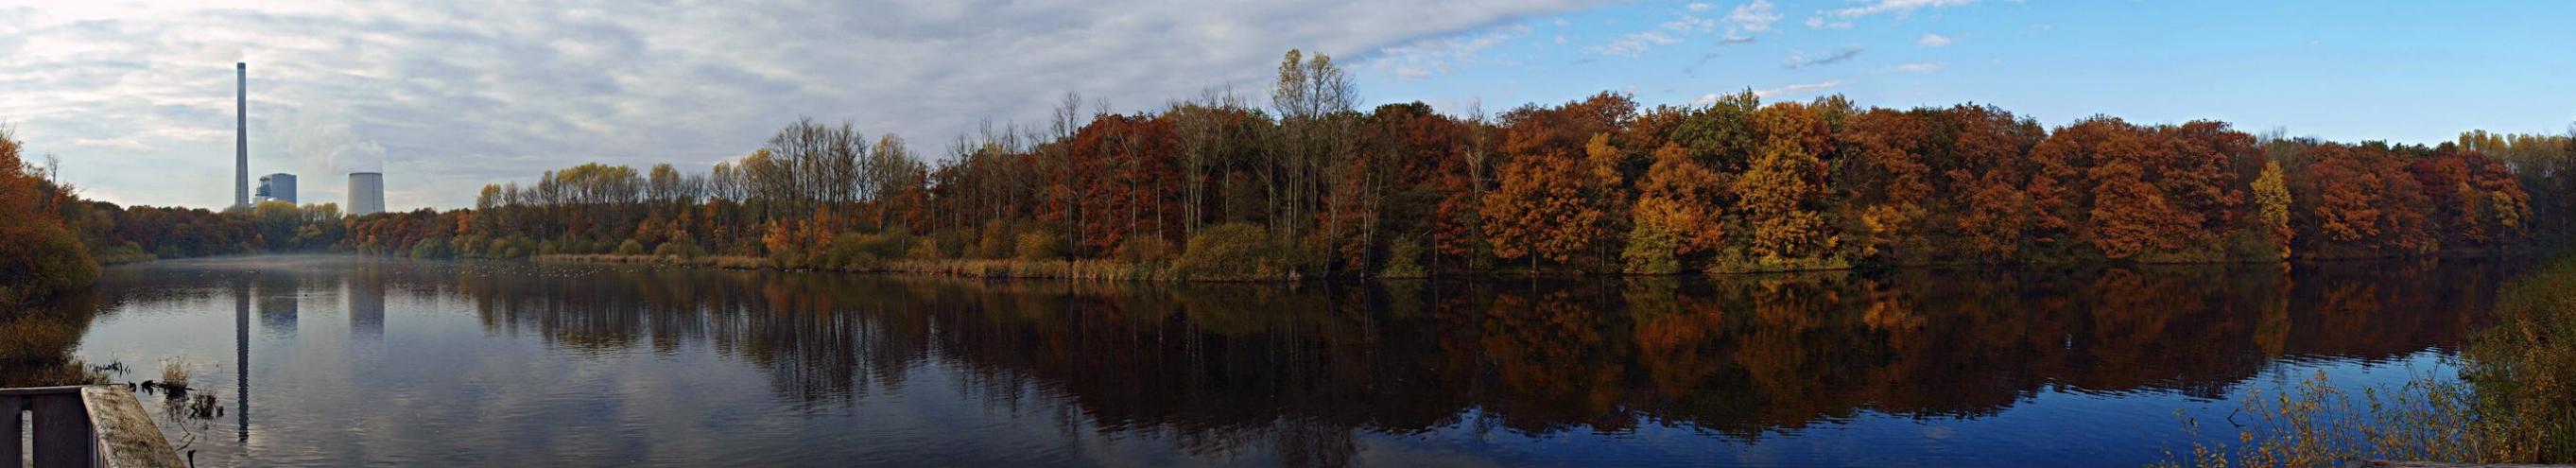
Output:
x=1556 y=365
x=1226 y=369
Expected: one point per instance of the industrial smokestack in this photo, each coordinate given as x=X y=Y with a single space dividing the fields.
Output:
x=241 y=134
x=366 y=193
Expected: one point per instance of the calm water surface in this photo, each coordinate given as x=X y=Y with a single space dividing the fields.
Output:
x=339 y=361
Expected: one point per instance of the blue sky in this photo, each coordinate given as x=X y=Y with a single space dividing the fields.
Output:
x=2414 y=72
x=135 y=96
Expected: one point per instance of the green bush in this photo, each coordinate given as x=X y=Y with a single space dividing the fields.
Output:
x=1403 y=259
x=1650 y=251
x=433 y=248
x=2524 y=369
x=630 y=247
x=1237 y=252
x=128 y=252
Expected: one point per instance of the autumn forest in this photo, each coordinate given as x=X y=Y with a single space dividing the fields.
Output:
x=1313 y=186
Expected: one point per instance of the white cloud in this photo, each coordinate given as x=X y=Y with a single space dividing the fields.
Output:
x=1753 y=17
x=1916 y=68
x=1897 y=6
x=1842 y=18
x=1633 y=44
x=457 y=94
x=1428 y=57
x=1932 y=40
x=1794 y=89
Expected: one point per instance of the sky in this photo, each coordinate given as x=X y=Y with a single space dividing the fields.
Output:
x=136 y=98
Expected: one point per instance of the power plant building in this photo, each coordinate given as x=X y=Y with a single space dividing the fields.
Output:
x=366 y=193
x=280 y=187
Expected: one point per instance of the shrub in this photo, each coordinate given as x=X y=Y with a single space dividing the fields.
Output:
x=432 y=248
x=924 y=249
x=1039 y=246
x=996 y=240
x=1403 y=259
x=630 y=247
x=2524 y=369
x=1735 y=260
x=1145 y=250
x=889 y=244
x=954 y=243
x=1236 y=252
x=128 y=252
x=1650 y=251
x=851 y=252
x=39 y=259
x=679 y=248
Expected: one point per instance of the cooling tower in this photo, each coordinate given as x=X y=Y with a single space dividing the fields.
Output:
x=241 y=134
x=366 y=193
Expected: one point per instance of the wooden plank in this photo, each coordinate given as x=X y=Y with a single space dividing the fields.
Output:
x=11 y=407
x=126 y=436
x=62 y=431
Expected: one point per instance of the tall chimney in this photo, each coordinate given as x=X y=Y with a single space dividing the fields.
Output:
x=241 y=134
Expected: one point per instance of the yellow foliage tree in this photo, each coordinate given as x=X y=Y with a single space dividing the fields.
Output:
x=2272 y=198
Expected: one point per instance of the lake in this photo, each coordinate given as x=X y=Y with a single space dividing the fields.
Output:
x=338 y=361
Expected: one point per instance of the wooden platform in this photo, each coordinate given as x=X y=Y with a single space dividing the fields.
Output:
x=82 y=426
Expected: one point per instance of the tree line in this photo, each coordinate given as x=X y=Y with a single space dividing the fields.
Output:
x=1216 y=187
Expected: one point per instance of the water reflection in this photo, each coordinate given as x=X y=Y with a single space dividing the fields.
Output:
x=1741 y=356
x=1299 y=375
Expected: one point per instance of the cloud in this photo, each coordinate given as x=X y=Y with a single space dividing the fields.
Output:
x=1802 y=60
x=1703 y=60
x=1633 y=44
x=1842 y=18
x=1897 y=6
x=1932 y=40
x=1427 y=57
x=1748 y=18
x=1752 y=17
x=1916 y=68
x=1793 y=89
x=457 y=94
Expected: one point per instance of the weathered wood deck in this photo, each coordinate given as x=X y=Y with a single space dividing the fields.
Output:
x=80 y=426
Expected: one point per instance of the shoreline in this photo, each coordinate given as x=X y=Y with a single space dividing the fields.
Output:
x=1112 y=270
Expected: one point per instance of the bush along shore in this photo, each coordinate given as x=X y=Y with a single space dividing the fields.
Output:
x=2512 y=401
